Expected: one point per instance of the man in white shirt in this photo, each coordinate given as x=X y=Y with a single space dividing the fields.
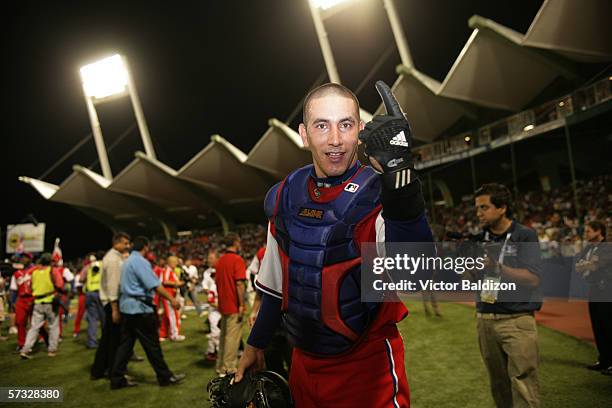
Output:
x=191 y=272
x=209 y=286
x=109 y=295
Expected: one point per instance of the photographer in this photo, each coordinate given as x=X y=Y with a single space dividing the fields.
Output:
x=507 y=332
x=595 y=265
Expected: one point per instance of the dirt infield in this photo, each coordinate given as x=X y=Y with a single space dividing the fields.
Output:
x=567 y=317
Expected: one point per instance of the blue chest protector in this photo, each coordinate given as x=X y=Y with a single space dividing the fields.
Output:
x=322 y=309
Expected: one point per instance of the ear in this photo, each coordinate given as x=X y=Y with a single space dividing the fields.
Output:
x=505 y=210
x=303 y=135
x=361 y=125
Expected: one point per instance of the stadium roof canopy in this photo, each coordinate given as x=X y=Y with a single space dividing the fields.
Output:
x=499 y=68
x=85 y=188
x=88 y=192
x=278 y=151
x=219 y=169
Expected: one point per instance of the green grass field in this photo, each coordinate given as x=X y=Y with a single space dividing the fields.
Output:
x=444 y=368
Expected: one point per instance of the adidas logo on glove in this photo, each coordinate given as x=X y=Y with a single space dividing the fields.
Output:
x=399 y=140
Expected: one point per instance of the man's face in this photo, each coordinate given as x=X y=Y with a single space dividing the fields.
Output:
x=172 y=262
x=123 y=245
x=486 y=211
x=212 y=259
x=331 y=134
x=590 y=234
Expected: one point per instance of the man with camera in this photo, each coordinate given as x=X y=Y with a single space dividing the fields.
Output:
x=507 y=333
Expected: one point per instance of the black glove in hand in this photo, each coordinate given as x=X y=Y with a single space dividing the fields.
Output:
x=388 y=139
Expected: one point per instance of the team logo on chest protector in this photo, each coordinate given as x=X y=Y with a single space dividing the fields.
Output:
x=311 y=213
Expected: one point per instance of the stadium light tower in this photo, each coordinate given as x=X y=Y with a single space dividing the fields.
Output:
x=398 y=34
x=320 y=10
x=316 y=6
x=106 y=80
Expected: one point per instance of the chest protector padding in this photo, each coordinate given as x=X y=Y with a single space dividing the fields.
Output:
x=323 y=312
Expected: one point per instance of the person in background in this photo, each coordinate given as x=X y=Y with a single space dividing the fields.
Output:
x=209 y=286
x=44 y=290
x=78 y=285
x=191 y=278
x=595 y=265
x=109 y=296
x=138 y=320
x=230 y=279
x=93 y=304
x=170 y=326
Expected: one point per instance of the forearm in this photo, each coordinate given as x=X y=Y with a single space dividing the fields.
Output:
x=256 y=303
x=268 y=321
x=521 y=276
x=163 y=293
x=240 y=290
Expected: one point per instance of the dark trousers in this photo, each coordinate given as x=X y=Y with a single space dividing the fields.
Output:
x=601 y=320
x=107 y=348
x=143 y=327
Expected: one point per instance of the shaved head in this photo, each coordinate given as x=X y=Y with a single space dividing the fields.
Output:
x=327 y=90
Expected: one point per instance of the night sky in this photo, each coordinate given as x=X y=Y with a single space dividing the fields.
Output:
x=201 y=68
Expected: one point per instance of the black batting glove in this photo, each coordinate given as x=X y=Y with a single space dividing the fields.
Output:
x=388 y=139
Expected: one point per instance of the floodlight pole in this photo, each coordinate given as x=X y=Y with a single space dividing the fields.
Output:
x=140 y=119
x=328 y=56
x=398 y=34
x=98 y=139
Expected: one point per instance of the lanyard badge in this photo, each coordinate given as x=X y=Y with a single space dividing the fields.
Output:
x=490 y=294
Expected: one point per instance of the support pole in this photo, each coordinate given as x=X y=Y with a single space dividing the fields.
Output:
x=398 y=33
x=328 y=56
x=570 y=156
x=140 y=118
x=98 y=139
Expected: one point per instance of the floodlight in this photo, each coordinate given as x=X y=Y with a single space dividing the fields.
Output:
x=106 y=77
x=326 y=4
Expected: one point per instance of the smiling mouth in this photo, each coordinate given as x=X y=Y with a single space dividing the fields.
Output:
x=335 y=156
